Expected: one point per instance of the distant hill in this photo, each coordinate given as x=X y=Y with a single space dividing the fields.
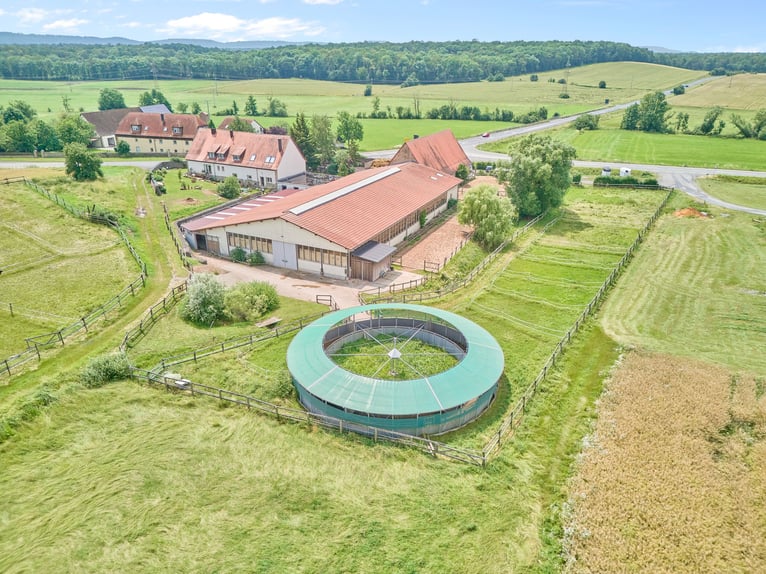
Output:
x=44 y=39
x=661 y=50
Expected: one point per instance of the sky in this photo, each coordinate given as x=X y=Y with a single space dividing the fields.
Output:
x=686 y=25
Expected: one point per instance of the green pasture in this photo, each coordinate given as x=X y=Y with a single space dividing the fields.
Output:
x=131 y=478
x=527 y=300
x=697 y=288
x=747 y=191
x=745 y=92
x=611 y=144
x=173 y=336
x=56 y=267
x=626 y=81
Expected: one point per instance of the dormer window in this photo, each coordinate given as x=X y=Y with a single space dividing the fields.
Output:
x=220 y=156
x=135 y=128
x=211 y=155
x=235 y=157
x=178 y=130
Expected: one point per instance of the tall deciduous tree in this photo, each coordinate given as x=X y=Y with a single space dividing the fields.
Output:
x=539 y=173
x=301 y=135
x=251 y=107
x=17 y=110
x=154 y=97
x=349 y=128
x=110 y=99
x=324 y=141
x=240 y=125
x=651 y=115
x=82 y=164
x=630 y=118
x=492 y=216
x=72 y=128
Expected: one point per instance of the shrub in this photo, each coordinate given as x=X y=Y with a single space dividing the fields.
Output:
x=229 y=188
x=534 y=78
x=577 y=178
x=104 y=369
x=564 y=96
x=248 y=301
x=204 y=300
x=602 y=84
x=586 y=122
x=256 y=258
x=122 y=148
x=451 y=202
x=238 y=254
x=423 y=216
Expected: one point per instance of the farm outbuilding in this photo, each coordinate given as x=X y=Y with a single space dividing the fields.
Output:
x=428 y=404
x=347 y=228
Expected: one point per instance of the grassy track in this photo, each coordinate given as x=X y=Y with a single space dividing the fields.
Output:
x=697 y=289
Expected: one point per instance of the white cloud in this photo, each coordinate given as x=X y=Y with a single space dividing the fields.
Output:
x=70 y=24
x=133 y=24
x=32 y=15
x=328 y=2
x=230 y=28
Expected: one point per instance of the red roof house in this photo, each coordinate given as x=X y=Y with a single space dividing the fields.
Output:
x=439 y=151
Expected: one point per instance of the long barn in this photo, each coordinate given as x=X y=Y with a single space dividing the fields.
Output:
x=347 y=228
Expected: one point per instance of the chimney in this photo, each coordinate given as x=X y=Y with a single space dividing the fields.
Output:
x=162 y=118
x=213 y=130
x=231 y=134
x=279 y=144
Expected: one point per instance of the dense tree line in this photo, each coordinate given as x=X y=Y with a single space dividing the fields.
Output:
x=378 y=62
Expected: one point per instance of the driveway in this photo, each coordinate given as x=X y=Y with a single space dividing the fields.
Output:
x=299 y=285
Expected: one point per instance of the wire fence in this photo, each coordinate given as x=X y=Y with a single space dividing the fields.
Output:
x=39 y=342
x=389 y=294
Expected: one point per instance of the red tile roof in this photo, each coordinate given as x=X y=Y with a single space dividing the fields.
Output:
x=439 y=151
x=253 y=149
x=160 y=125
x=348 y=211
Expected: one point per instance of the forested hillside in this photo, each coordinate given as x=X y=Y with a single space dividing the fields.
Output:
x=413 y=62
x=380 y=62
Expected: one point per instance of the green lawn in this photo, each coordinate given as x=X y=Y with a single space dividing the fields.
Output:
x=750 y=192
x=615 y=145
x=697 y=288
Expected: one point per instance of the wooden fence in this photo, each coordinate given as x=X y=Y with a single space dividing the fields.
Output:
x=389 y=294
x=38 y=342
x=432 y=447
x=152 y=316
x=513 y=419
x=174 y=236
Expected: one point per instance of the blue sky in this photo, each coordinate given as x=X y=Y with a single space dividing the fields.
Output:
x=701 y=25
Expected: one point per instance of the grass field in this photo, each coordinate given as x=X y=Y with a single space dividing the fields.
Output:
x=129 y=478
x=625 y=81
x=747 y=191
x=528 y=301
x=56 y=267
x=348 y=505
x=611 y=144
x=692 y=292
